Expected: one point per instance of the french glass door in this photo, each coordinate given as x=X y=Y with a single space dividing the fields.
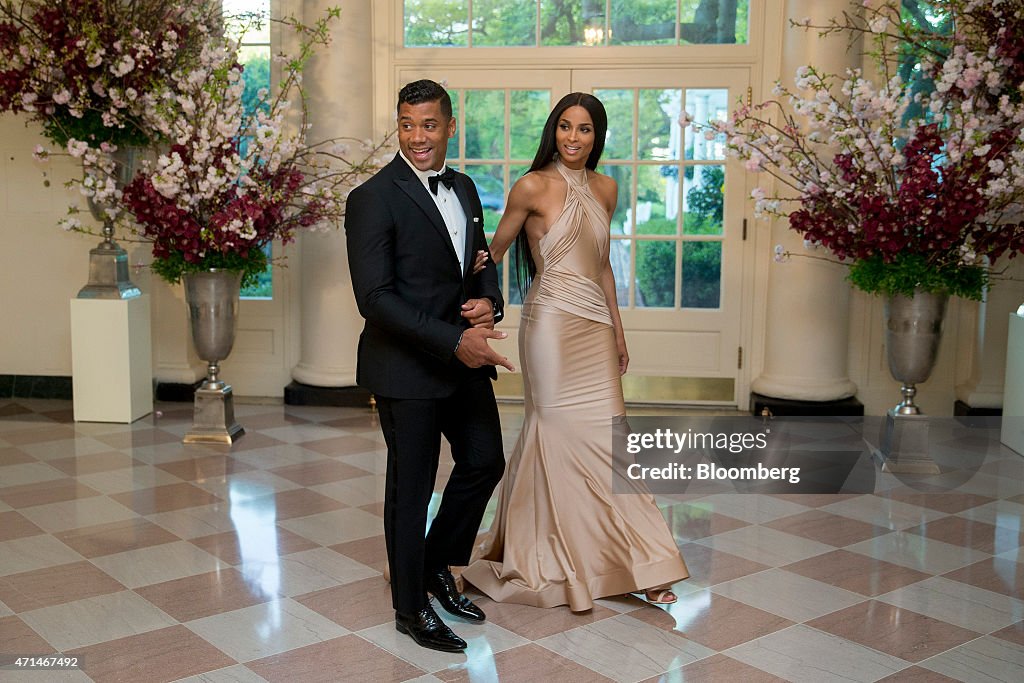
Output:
x=678 y=246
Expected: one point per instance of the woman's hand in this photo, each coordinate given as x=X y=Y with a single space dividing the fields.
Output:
x=480 y=261
x=620 y=345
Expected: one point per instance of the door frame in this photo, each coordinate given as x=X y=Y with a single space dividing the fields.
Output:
x=762 y=57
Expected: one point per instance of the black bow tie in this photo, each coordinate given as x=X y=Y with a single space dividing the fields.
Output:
x=448 y=178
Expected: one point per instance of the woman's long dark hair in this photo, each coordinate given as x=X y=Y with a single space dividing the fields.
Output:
x=525 y=267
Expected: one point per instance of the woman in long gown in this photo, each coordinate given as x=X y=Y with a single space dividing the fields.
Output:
x=561 y=536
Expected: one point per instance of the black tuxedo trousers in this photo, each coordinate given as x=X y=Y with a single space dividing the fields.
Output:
x=412 y=429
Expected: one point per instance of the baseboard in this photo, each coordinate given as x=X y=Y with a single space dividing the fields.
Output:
x=792 y=408
x=961 y=409
x=175 y=392
x=36 y=386
x=299 y=394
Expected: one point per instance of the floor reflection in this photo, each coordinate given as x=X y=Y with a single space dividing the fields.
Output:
x=253 y=513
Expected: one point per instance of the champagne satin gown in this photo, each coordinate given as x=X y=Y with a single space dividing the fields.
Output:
x=560 y=536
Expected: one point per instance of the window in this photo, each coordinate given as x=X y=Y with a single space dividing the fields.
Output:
x=667 y=229
x=255 y=57
x=498 y=135
x=585 y=23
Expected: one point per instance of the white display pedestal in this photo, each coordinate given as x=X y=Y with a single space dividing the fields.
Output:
x=1012 y=434
x=111 y=359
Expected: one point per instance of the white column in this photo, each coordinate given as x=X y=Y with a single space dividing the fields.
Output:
x=339 y=85
x=985 y=384
x=807 y=331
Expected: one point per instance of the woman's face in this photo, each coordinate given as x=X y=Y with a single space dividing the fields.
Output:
x=574 y=136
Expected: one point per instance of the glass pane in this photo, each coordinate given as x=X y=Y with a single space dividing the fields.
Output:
x=703 y=105
x=644 y=22
x=237 y=21
x=702 y=275
x=247 y=53
x=264 y=287
x=256 y=72
x=256 y=62
x=623 y=175
x=619 y=106
x=724 y=21
x=572 y=22
x=504 y=22
x=485 y=124
x=515 y=294
x=618 y=255
x=655 y=274
x=657 y=201
x=515 y=172
x=529 y=111
x=490 y=187
x=703 y=200
x=453 y=144
x=501 y=277
x=660 y=135
x=429 y=23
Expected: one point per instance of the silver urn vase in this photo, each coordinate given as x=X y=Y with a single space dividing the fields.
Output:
x=108 y=262
x=913 y=331
x=212 y=299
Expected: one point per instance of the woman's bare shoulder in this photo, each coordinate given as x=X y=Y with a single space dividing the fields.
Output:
x=603 y=186
x=539 y=179
x=602 y=181
x=533 y=184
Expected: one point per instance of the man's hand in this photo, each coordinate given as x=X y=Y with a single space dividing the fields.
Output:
x=479 y=313
x=474 y=351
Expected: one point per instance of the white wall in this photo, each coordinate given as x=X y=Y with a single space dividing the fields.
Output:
x=41 y=266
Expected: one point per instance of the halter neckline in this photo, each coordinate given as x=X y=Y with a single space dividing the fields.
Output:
x=573 y=176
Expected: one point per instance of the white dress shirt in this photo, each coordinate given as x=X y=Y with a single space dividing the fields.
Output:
x=451 y=210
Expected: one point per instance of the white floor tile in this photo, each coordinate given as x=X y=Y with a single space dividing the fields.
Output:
x=265 y=629
x=958 y=603
x=96 y=620
x=767 y=546
x=159 y=563
x=806 y=655
x=985 y=660
x=789 y=595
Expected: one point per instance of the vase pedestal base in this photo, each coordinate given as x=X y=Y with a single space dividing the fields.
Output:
x=213 y=420
x=108 y=274
x=903 y=445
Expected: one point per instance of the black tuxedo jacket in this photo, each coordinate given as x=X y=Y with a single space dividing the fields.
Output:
x=408 y=284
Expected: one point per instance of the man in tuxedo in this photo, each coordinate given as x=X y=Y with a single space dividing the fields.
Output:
x=412 y=231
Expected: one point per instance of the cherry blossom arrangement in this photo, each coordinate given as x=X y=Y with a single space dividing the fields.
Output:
x=914 y=182
x=230 y=181
x=89 y=70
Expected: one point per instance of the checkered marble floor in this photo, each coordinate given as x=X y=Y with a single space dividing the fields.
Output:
x=155 y=562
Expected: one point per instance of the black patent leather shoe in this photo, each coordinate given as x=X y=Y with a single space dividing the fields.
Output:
x=441 y=584
x=427 y=629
